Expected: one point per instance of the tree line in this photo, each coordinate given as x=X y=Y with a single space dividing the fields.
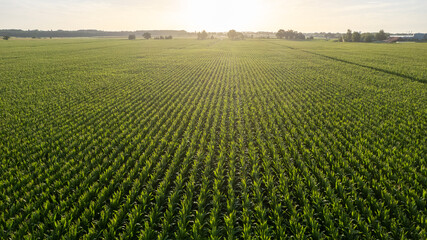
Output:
x=290 y=34
x=147 y=35
x=364 y=37
x=232 y=34
x=88 y=33
x=202 y=35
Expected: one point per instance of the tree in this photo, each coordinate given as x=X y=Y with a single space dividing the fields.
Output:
x=202 y=35
x=381 y=35
x=348 y=36
x=146 y=35
x=232 y=34
x=132 y=37
x=300 y=36
x=367 y=37
x=6 y=37
x=280 y=34
x=290 y=34
x=356 y=37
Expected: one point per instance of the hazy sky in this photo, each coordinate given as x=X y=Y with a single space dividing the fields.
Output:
x=216 y=15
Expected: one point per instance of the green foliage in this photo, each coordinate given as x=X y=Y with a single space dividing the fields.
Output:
x=364 y=37
x=290 y=34
x=234 y=35
x=202 y=35
x=367 y=37
x=348 y=36
x=186 y=139
x=356 y=37
x=146 y=35
x=280 y=34
x=381 y=35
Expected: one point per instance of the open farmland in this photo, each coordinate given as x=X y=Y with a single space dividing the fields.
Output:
x=187 y=139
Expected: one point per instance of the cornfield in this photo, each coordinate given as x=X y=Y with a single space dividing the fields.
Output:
x=217 y=139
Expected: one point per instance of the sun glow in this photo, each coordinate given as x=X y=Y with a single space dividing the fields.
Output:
x=223 y=15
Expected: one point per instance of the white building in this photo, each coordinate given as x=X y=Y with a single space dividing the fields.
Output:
x=410 y=37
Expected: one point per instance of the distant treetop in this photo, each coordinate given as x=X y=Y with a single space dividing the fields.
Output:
x=234 y=35
x=146 y=35
x=202 y=35
x=290 y=34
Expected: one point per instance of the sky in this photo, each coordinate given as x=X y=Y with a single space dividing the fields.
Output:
x=216 y=15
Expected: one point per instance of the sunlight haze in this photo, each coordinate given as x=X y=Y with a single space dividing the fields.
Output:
x=219 y=15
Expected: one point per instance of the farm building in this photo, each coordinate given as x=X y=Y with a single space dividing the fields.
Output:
x=407 y=37
x=420 y=36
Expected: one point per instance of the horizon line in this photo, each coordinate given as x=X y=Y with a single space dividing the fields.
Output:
x=177 y=30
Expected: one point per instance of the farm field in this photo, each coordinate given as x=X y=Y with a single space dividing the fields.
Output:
x=216 y=139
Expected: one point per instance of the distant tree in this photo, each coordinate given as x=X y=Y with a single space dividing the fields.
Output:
x=202 y=35
x=132 y=37
x=348 y=36
x=232 y=34
x=6 y=37
x=146 y=35
x=355 y=37
x=212 y=37
x=367 y=37
x=280 y=34
x=161 y=37
x=300 y=36
x=168 y=37
x=381 y=35
x=290 y=34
